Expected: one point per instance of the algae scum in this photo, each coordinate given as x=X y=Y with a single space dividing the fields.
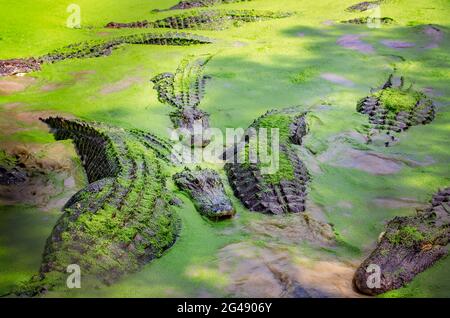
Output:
x=358 y=93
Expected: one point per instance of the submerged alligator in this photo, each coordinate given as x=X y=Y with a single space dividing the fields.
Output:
x=96 y=48
x=121 y=220
x=285 y=190
x=184 y=90
x=409 y=246
x=394 y=109
x=205 y=20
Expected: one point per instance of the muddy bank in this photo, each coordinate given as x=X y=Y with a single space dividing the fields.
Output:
x=273 y=264
x=293 y=229
x=15 y=84
x=44 y=176
x=17 y=118
x=273 y=271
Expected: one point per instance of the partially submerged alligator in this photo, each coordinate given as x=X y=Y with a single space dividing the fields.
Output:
x=184 y=90
x=365 y=20
x=92 y=49
x=190 y=4
x=207 y=191
x=285 y=190
x=121 y=220
x=409 y=246
x=394 y=109
x=364 y=6
x=206 y=20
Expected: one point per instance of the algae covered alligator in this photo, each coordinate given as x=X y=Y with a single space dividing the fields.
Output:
x=190 y=4
x=206 y=20
x=90 y=49
x=285 y=190
x=364 y=6
x=184 y=91
x=121 y=220
x=365 y=20
x=409 y=246
x=394 y=109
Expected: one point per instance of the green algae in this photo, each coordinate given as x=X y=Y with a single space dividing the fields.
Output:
x=396 y=100
x=255 y=70
x=408 y=236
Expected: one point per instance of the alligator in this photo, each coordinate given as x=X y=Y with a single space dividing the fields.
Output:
x=120 y=221
x=97 y=48
x=207 y=191
x=203 y=20
x=285 y=190
x=183 y=90
x=394 y=108
x=409 y=246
